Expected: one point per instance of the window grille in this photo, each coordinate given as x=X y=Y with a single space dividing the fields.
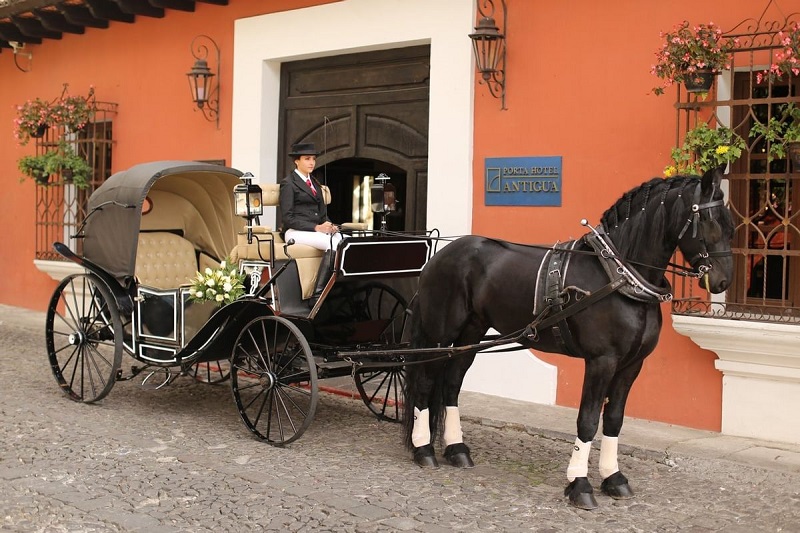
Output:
x=60 y=205
x=763 y=195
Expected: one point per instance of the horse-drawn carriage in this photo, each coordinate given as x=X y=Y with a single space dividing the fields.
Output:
x=153 y=229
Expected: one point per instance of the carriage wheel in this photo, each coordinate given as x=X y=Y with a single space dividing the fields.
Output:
x=382 y=391
x=369 y=302
x=274 y=379
x=84 y=336
x=212 y=372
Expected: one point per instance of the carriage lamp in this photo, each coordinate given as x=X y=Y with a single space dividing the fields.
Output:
x=488 y=45
x=205 y=90
x=249 y=202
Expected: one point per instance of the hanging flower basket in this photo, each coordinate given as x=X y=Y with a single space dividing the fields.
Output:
x=690 y=55
x=32 y=120
x=35 y=116
x=61 y=161
x=787 y=58
x=700 y=81
x=40 y=130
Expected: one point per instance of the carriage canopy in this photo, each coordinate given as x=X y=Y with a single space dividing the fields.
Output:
x=194 y=200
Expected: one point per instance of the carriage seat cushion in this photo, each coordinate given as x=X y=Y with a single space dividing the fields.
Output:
x=165 y=260
x=308 y=258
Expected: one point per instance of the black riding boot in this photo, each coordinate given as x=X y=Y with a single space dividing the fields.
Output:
x=323 y=275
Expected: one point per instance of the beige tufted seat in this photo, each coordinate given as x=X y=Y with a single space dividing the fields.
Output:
x=165 y=260
x=307 y=257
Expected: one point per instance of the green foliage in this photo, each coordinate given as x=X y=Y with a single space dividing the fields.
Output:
x=62 y=161
x=705 y=148
x=779 y=130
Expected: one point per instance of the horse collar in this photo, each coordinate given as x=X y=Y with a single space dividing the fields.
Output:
x=636 y=286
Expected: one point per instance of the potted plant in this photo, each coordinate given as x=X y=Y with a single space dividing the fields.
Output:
x=705 y=148
x=62 y=161
x=72 y=112
x=34 y=166
x=33 y=119
x=787 y=59
x=693 y=56
x=782 y=132
x=35 y=116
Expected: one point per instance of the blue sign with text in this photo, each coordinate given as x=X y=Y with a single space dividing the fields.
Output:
x=534 y=181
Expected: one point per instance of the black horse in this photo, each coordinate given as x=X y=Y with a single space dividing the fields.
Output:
x=597 y=298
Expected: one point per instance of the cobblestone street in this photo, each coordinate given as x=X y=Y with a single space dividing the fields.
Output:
x=180 y=459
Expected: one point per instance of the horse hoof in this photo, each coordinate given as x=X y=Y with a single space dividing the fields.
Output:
x=425 y=457
x=580 y=494
x=458 y=455
x=616 y=486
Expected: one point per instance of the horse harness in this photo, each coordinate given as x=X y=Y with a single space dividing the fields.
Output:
x=551 y=297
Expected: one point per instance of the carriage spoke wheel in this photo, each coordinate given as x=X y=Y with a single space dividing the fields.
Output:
x=84 y=336
x=382 y=391
x=274 y=379
x=212 y=372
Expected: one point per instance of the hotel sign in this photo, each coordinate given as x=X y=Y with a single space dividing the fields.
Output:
x=534 y=181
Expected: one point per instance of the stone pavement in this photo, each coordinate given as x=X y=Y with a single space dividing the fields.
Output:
x=180 y=459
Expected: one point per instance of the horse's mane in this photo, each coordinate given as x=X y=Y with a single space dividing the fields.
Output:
x=646 y=213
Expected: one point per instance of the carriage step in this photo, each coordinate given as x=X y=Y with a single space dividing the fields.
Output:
x=331 y=365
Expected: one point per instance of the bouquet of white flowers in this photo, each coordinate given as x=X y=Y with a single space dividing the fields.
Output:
x=221 y=286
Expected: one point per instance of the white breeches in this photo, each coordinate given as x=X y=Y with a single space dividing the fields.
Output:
x=320 y=241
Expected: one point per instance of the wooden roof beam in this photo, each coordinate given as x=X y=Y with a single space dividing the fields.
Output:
x=33 y=27
x=140 y=7
x=9 y=32
x=78 y=14
x=180 y=5
x=109 y=10
x=55 y=21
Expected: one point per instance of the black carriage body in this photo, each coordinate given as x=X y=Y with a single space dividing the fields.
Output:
x=192 y=202
x=135 y=299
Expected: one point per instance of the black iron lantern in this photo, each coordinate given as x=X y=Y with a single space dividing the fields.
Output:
x=248 y=200
x=488 y=46
x=200 y=82
x=203 y=82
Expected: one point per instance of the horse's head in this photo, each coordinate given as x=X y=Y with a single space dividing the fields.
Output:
x=705 y=240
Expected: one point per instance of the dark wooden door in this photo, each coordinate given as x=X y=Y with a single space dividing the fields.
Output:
x=371 y=106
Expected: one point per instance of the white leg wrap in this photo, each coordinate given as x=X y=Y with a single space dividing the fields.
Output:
x=608 y=456
x=421 y=433
x=452 y=426
x=579 y=463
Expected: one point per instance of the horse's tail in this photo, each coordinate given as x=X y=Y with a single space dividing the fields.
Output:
x=416 y=372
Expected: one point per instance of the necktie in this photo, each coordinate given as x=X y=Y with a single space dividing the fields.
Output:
x=311 y=186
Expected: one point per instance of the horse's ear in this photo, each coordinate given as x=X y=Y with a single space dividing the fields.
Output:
x=711 y=180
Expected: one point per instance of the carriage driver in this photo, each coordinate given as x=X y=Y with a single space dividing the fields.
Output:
x=304 y=214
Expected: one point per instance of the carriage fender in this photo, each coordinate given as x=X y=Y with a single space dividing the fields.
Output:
x=121 y=296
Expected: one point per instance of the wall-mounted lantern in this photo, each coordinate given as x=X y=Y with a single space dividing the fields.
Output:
x=488 y=44
x=202 y=82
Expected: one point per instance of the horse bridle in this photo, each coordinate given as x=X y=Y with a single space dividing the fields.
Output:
x=700 y=262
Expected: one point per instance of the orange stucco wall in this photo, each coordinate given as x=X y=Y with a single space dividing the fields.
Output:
x=142 y=67
x=578 y=86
